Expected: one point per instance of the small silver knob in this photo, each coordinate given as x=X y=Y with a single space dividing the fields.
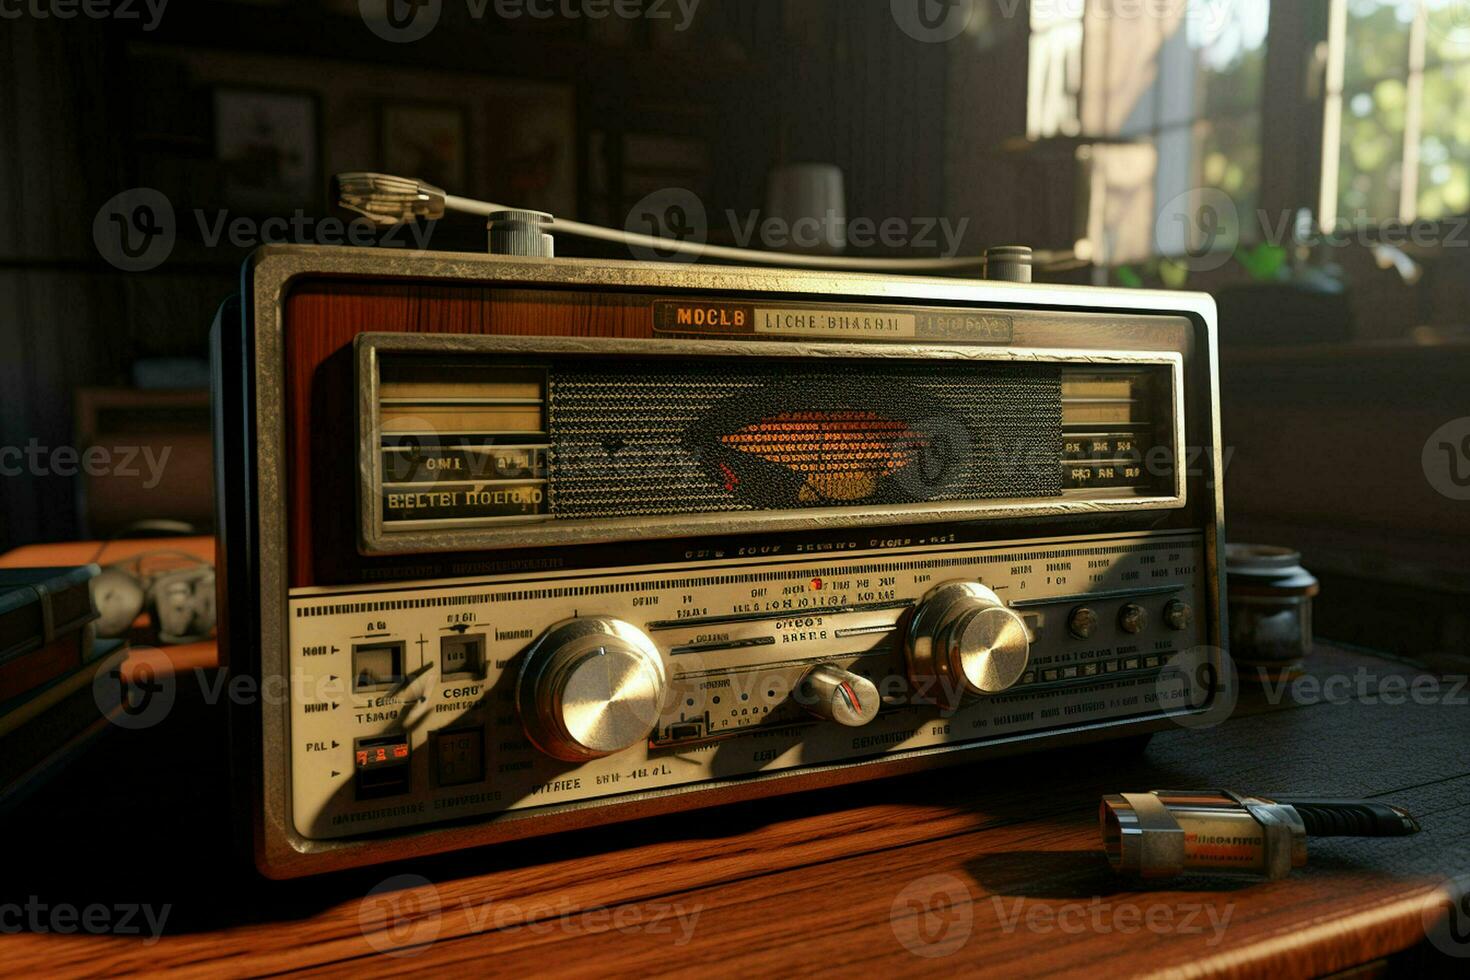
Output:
x=839 y=695
x=521 y=233
x=1009 y=263
x=591 y=687
x=964 y=642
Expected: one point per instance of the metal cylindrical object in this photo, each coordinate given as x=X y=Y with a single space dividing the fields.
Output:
x=1009 y=263
x=591 y=687
x=1270 y=610
x=521 y=233
x=1165 y=833
x=963 y=642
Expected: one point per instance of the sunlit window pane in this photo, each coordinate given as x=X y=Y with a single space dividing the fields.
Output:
x=1449 y=30
x=1405 y=104
x=1377 y=40
x=1372 y=153
x=1444 y=154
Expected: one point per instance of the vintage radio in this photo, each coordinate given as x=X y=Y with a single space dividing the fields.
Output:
x=521 y=545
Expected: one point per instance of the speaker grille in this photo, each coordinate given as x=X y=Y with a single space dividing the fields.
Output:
x=649 y=438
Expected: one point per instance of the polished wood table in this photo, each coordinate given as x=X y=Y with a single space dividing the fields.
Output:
x=989 y=868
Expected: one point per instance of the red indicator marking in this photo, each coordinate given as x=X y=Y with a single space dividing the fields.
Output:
x=817 y=584
x=400 y=751
x=362 y=758
x=851 y=697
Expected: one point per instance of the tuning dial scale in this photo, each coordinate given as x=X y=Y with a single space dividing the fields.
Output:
x=963 y=643
x=591 y=687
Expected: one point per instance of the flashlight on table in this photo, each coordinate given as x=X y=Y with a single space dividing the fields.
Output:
x=1170 y=832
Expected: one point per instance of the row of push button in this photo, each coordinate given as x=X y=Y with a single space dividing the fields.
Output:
x=1094 y=669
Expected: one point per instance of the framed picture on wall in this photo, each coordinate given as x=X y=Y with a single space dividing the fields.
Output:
x=429 y=141
x=268 y=144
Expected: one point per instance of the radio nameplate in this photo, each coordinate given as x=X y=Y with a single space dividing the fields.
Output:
x=449 y=536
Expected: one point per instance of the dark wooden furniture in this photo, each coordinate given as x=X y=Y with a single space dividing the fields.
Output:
x=155 y=457
x=831 y=881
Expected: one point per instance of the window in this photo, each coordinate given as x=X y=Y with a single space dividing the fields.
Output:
x=1055 y=70
x=1173 y=91
x=1397 y=135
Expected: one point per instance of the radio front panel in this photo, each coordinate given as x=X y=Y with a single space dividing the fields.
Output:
x=430 y=671
x=538 y=545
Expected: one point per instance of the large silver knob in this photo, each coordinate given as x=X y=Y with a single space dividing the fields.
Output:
x=963 y=642
x=839 y=695
x=591 y=687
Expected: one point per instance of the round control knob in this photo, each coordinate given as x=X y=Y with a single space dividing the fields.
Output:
x=1082 y=623
x=964 y=642
x=1133 y=618
x=1179 y=615
x=839 y=695
x=591 y=687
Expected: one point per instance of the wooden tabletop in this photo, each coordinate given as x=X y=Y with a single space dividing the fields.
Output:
x=990 y=867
